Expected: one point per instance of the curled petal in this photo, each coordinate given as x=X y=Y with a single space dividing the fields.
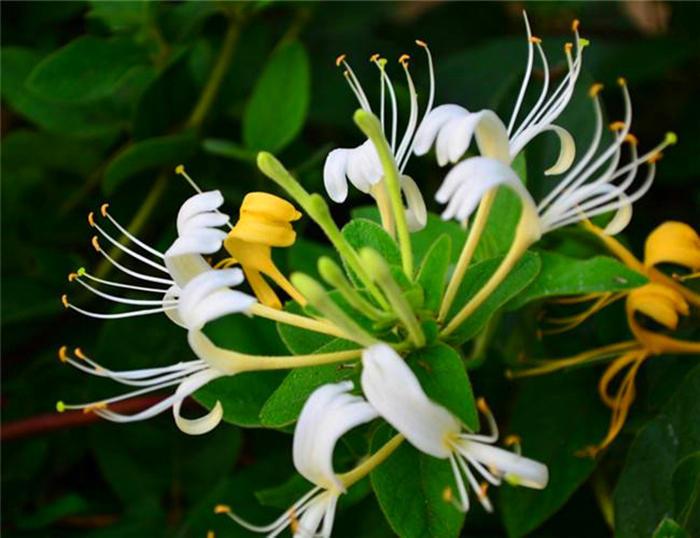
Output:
x=567 y=151
x=334 y=177
x=433 y=123
x=621 y=219
x=673 y=242
x=416 y=212
x=172 y=295
x=516 y=469
x=394 y=391
x=206 y=423
x=199 y=203
x=201 y=241
x=330 y=412
x=364 y=168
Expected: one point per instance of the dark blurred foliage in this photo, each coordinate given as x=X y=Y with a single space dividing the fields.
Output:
x=67 y=146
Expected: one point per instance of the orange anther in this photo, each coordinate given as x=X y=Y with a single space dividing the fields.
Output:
x=595 y=89
x=95 y=243
x=621 y=81
x=421 y=43
x=293 y=521
x=655 y=157
x=483 y=489
x=617 y=126
x=483 y=406
x=63 y=354
x=631 y=139
x=447 y=494
x=64 y=300
x=103 y=209
x=536 y=40
x=574 y=25
x=72 y=277
x=403 y=59
x=340 y=59
x=375 y=57
x=222 y=509
x=79 y=353
x=91 y=219
x=512 y=440
x=568 y=47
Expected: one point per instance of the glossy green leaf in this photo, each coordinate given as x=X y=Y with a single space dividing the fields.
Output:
x=433 y=272
x=645 y=490
x=409 y=486
x=562 y=275
x=474 y=279
x=442 y=375
x=301 y=341
x=670 y=529
x=361 y=233
x=284 y=405
x=164 y=151
x=87 y=69
x=543 y=417
x=277 y=108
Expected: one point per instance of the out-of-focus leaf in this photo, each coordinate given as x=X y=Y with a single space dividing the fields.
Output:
x=561 y=275
x=67 y=505
x=669 y=529
x=543 y=417
x=433 y=271
x=474 y=279
x=645 y=490
x=277 y=108
x=87 y=69
x=410 y=489
x=121 y=16
x=168 y=151
x=686 y=492
x=226 y=148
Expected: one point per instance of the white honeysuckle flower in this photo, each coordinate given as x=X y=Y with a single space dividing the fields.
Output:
x=598 y=183
x=361 y=165
x=394 y=391
x=329 y=413
x=197 y=225
x=204 y=298
x=451 y=127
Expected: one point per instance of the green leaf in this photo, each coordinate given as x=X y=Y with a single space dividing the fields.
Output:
x=87 y=120
x=543 y=416
x=277 y=108
x=645 y=490
x=433 y=272
x=562 y=275
x=66 y=505
x=226 y=148
x=120 y=16
x=686 y=492
x=168 y=151
x=669 y=529
x=441 y=373
x=87 y=69
x=362 y=233
x=301 y=341
x=285 y=404
x=474 y=279
x=409 y=486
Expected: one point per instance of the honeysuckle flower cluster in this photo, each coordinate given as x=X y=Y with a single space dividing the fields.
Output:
x=216 y=267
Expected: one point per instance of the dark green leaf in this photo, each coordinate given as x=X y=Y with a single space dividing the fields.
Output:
x=226 y=148
x=278 y=105
x=686 y=493
x=542 y=417
x=474 y=279
x=87 y=69
x=300 y=341
x=362 y=233
x=167 y=151
x=433 y=272
x=561 y=275
x=409 y=486
x=120 y=16
x=669 y=529
x=67 y=505
x=442 y=375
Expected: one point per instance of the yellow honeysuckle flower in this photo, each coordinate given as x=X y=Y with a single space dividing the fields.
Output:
x=264 y=222
x=673 y=242
x=658 y=302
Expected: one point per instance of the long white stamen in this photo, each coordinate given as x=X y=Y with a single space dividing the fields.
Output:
x=485 y=473
x=354 y=83
x=120 y=315
x=83 y=273
x=394 y=107
x=526 y=77
x=124 y=300
x=126 y=396
x=128 y=234
x=429 y=105
x=545 y=87
x=355 y=91
x=483 y=499
x=413 y=114
x=124 y=248
x=128 y=271
x=461 y=488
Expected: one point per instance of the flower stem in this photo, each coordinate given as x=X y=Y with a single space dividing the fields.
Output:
x=295 y=320
x=362 y=470
x=465 y=257
x=370 y=126
x=381 y=196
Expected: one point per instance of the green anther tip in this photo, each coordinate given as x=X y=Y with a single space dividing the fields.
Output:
x=671 y=138
x=60 y=406
x=584 y=42
x=81 y=271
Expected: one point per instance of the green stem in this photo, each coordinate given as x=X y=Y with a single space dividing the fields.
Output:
x=334 y=276
x=370 y=126
x=376 y=459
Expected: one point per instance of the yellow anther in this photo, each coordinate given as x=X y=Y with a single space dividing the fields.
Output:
x=631 y=139
x=72 y=277
x=91 y=219
x=568 y=47
x=421 y=43
x=595 y=89
x=64 y=300
x=617 y=125
x=671 y=138
x=94 y=407
x=222 y=509
x=340 y=59
x=621 y=81
x=211 y=534
x=103 y=209
x=574 y=25
x=63 y=353
x=536 y=40
x=483 y=406
x=374 y=58
x=60 y=406
x=293 y=521
x=512 y=440
x=403 y=59
x=95 y=243
x=79 y=353
x=483 y=489
x=656 y=157
x=180 y=169
x=447 y=494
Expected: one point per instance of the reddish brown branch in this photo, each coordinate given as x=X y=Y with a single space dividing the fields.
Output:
x=48 y=422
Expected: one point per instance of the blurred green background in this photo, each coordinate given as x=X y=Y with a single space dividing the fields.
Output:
x=101 y=100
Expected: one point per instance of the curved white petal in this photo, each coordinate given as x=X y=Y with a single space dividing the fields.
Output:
x=334 y=174
x=199 y=203
x=208 y=422
x=515 y=468
x=567 y=149
x=416 y=212
x=622 y=217
x=471 y=179
x=393 y=389
x=432 y=124
x=330 y=412
x=202 y=241
x=206 y=297
x=321 y=508
x=172 y=295
x=364 y=168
